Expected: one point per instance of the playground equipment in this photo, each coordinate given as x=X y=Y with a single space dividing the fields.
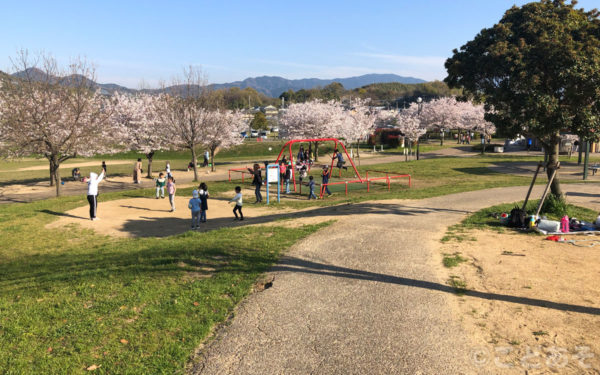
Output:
x=289 y=144
x=356 y=179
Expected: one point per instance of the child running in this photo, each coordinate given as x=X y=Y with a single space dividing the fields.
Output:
x=194 y=206
x=238 y=203
x=171 y=189
x=203 y=194
x=161 y=181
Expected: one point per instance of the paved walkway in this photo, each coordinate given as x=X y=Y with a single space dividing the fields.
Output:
x=363 y=296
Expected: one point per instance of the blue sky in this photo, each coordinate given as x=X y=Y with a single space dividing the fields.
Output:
x=134 y=41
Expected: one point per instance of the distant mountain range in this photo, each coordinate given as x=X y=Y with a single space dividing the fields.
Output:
x=275 y=86
x=269 y=86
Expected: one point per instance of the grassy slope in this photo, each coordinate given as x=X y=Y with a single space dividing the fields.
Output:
x=70 y=298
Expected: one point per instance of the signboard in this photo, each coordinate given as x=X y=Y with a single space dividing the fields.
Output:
x=272 y=173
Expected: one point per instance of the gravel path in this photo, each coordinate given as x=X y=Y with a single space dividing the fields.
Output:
x=363 y=296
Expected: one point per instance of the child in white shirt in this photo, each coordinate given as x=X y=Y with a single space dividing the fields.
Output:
x=238 y=203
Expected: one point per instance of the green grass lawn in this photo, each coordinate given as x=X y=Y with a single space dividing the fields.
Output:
x=71 y=299
x=431 y=177
x=484 y=219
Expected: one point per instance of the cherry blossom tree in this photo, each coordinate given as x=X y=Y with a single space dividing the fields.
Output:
x=313 y=119
x=441 y=114
x=222 y=129
x=473 y=120
x=184 y=112
x=55 y=113
x=410 y=125
x=359 y=121
x=140 y=127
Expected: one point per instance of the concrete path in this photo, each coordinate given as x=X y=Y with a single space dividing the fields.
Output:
x=363 y=296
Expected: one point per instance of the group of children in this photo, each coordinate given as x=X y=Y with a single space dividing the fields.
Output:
x=198 y=205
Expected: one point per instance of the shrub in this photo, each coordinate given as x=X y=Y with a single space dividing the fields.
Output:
x=555 y=206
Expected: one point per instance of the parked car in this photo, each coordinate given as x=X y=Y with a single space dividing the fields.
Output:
x=275 y=129
x=262 y=134
x=254 y=133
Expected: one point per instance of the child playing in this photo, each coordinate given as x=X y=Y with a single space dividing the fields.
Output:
x=168 y=169
x=194 y=206
x=203 y=194
x=171 y=189
x=311 y=186
x=238 y=203
x=303 y=173
x=161 y=181
x=288 y=177
x=325 y=178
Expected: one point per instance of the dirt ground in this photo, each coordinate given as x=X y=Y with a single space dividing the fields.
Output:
x=537 y=302
x=151 y=217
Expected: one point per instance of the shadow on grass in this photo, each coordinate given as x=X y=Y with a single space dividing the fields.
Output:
x=25 y=181
x=291 y=264
x=480 y=171
x=56 y=213
x=206 y=255
x=166 y=226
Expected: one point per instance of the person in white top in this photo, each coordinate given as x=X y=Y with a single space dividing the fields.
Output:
x=238 y=203
x=168 y=169
x=92 y=194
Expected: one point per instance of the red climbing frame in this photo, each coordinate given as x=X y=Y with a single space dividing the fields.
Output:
x=289 y=144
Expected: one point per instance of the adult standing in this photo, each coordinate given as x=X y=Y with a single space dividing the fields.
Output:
x=257 y=182
x=206 y=158
x=300 y=156
x=137 y=171
x=92 y=194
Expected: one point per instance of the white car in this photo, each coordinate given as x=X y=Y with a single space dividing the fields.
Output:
x=254 y=133
x=275 y=129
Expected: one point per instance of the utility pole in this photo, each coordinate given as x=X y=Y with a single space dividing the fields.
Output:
x=586 y=160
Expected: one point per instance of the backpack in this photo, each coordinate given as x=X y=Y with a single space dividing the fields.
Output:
x=517 y=218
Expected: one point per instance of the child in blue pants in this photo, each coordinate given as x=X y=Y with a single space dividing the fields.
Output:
x=194 y=206
x=311 y=186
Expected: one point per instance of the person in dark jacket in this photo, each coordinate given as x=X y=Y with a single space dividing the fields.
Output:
x=325 y=179
x=257 y=182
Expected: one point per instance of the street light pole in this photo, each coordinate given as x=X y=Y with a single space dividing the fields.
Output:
x=586 y=159
x=420 y=107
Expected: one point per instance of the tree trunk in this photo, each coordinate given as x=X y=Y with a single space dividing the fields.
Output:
x=51 y=173
x=553 y=149
x=149 y=156
x=55 y=173
x=194 y=163
x=212 y=159
x=316 y=151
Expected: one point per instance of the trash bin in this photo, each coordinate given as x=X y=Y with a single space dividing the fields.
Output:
x=498 y=149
